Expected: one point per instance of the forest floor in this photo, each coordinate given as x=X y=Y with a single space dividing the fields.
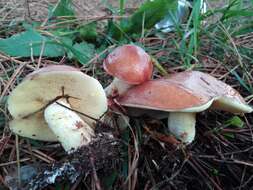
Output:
x=219 y=43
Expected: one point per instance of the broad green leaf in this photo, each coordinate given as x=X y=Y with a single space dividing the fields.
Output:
x=235 y=121
x=29 y=43
x=62 y=8
x=149 y=14
x=114 y=30
x=89 y=31
x=82 y=52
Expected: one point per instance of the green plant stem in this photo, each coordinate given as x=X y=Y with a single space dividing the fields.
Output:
x=159 y=67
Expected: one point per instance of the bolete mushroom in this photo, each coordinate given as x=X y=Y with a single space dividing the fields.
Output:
x=183 y=95
x=130 y=65
x=43 y=106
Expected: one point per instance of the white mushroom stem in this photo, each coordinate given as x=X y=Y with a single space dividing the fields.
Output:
x=69 y=128
x=182 y=125
x=117 y=87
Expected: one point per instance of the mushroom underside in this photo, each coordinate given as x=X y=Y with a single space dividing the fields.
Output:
x=33 y=126
x=45 y=87
x=42 y=88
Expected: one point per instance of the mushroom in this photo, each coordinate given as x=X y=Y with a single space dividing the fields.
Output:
x=130 y=65
x=183 y=95
x=44 y=104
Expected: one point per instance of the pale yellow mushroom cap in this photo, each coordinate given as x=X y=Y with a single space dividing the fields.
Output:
x=37 y=126
x=44 y=85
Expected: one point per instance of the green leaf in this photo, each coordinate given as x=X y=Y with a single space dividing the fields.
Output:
x=229 y=135
x=62 y=8
x=215 y=172
x=89 y=31
x=30 y=42
x=82 y=52
x=114 y=30
x=149 y=14
x=235 y=121
x=238 y=13
x=121 y=6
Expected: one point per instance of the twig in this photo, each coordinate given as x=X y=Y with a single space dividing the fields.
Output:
x=41 y=54
x=134 y=162
x=80 y=19
x=160 y=67
x=14 y=162
x=45 y=159
x=202 y=171
x=94 y=173
x=28 y=8
x=8 y=58
x=18 y=160
x=13 y=77
x=3 y=143
x=234 y=161
x=44 y=155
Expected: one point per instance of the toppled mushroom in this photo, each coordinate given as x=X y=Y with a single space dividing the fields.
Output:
x=130 y=65
x=183 y=95
x=48 y=97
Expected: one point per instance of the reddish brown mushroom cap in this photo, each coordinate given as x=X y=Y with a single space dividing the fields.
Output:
x=162 y=94
x=225 y=97
x=190 y=91
x=129 y=63
x=205 y=84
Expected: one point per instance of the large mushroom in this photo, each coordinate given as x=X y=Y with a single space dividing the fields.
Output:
x=129 y=65
x=47 y=104
x=183 y=95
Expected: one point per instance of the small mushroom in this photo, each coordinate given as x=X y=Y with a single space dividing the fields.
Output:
x=130 y=65
x=183 y=95
x=43 y=106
